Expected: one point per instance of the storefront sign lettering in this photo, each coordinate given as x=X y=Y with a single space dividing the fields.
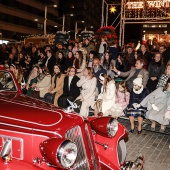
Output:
x=150 y=4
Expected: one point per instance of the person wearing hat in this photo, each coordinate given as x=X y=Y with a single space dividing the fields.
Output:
x=157 y=104
x=134 y=109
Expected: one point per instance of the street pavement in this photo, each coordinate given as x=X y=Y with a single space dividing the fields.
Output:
x=154 y=146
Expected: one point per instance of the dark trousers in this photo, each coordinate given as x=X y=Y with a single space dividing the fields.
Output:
x=49 y=98
x=62 y=101
x=151 y=85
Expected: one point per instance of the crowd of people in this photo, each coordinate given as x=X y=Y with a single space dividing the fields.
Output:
x=111 y=80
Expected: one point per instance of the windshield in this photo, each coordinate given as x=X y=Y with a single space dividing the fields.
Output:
x=6 y=82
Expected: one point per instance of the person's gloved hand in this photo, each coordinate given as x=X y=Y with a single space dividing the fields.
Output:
x=154 y=107
x=136 y=105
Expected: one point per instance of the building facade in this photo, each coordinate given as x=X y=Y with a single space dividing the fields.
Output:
x=21 y=18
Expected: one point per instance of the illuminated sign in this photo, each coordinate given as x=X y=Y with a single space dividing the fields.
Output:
x=150 y=4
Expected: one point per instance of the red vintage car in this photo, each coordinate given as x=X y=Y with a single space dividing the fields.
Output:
x=36 y=135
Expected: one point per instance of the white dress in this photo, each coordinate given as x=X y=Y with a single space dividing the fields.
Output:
x=109 y=106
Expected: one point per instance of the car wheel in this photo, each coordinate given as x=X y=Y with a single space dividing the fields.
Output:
x=122 y=151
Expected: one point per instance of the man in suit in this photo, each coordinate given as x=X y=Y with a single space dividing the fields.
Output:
x=50 y=61
x=137 y=71
x=70 y=89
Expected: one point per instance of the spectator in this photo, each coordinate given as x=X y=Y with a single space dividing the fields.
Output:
x=87 y=96
x=157 y=104
x=42 y=57
x=164 y=77
x=108 y=64
x=102 y=48
x=60 y=48
x=43 y=82
x=68 y=62
x=79 y=63
x=11 y=59
x=122 y=95
x=130 y=55
x=56 y=89
x=88 y=46
x=60 y=61
x=156 y=69
x=165 y=54
x=82 y=49
x=18 y=73
x=50 y=61
x=122 y=64
x=75 y=48
x=113 y=50
x=70 y=89
x=145 y=55
x=134 y=109
x=98 y=69
x=106 y=101
x=90 y=59
x=32 y=80
x=22 y=60
x=134 y=73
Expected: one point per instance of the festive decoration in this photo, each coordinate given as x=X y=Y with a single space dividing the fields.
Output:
x=113 y=9
x=86 y=35
x=108 y=33
x=61 y=37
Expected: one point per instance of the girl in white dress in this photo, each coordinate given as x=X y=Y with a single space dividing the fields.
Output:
x=107 y=98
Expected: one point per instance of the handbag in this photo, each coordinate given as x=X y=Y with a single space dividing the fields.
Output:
x=78 y=103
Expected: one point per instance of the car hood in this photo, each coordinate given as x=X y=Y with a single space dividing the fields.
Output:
x=18 y=110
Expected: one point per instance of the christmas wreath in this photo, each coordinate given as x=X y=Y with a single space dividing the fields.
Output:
x=108 y=33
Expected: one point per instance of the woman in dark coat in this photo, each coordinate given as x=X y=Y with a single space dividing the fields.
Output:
x=134 y=109
x=60 y=61
x=156 y=69
x=70 y=89
x=68 y=62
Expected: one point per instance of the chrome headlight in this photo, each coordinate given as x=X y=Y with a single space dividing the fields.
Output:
x=105 y=126
x=112 y=127
x=67 y=153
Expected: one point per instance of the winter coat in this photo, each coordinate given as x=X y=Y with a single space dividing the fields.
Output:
x=137 y=98
x=44 y=85
x=58 y=88
x=161 y=99
x=156 y=69
x=87 y=93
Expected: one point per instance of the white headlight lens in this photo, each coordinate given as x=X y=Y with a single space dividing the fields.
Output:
x=112 y=127
x=67 y=154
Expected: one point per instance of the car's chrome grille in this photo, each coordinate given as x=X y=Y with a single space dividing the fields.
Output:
x=91 y=148
x=75 y=135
